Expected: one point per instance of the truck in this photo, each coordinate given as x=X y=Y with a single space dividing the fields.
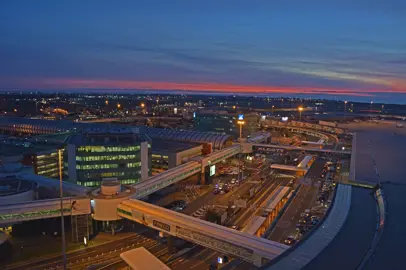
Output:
x=326 y=123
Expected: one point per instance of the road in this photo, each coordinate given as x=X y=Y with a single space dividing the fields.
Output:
x=389 y=154
x=354 y=238
x=99 y=254
x=375 y=142
x=305 y=197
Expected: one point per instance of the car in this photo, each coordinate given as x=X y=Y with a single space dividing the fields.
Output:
x=233 y=181
x=216 y=191
x=303 y=221
x=291 y=182
x=303 y=230
x=304 y=215
x=290 y=240
x=321 y=199
x=222 y=192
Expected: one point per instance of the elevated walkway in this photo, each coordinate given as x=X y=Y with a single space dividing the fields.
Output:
x=288 y=168
x=225 y=240
x=297 y=148
x=14 y=213
x=182 y=172
x=165 y=179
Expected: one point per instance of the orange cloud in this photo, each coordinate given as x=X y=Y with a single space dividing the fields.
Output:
x=207 y=87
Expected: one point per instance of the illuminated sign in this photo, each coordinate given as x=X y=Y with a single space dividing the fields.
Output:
x=161 y=225
x=212 y=170
x=240 y=117
x=284 y=119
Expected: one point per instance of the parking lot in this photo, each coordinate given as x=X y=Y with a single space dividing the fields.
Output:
x=308 y=207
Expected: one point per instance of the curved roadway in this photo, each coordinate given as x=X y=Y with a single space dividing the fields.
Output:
x=381 y=155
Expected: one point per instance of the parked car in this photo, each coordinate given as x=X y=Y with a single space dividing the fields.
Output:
x=290 y=240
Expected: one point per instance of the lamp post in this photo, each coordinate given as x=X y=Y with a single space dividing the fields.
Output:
x=62 y=219
x=240 y=122
x=300 y=113
x=345 y=106
x=273 y=106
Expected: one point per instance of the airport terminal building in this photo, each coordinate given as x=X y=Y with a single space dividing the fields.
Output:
x=95 y=155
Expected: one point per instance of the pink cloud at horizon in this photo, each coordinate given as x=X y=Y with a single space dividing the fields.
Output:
x=208 y=87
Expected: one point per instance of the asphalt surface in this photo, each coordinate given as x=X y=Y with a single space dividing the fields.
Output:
x=389 y=154
x=380 y=157
x=304 y=199
x=99 y=254
x=352 y=242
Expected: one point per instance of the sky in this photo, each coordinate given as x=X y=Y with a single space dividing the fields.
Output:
x=339 y=49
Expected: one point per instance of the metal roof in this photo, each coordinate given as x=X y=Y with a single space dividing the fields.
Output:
x=217 y=139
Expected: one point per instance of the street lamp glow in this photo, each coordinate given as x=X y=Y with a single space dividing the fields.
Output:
x=142 y=105
x=107 y=102
x=300 y=113
x=118 y=105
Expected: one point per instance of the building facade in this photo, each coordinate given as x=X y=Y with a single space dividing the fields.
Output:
x=114 y=154
x=169 y=154
x=226 y=122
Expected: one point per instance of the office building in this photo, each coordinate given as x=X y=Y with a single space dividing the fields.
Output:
x=167 y=154
x=107 y=154
x=39 y=154
x=226 y=122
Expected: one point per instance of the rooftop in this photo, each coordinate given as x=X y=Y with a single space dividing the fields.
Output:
x=17 y=146
x=216 y=139
x=171 y=146
x=12 y=185
x=113 y=136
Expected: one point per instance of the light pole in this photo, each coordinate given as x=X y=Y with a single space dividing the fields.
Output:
x=300 y=113
x=240 y=122
x=345 y=106
x=62 y=219
x=273 y=106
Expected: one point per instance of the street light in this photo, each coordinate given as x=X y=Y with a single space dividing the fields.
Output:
x=142 y=105
x=300 y=113
x=273 y=106
x=118 y=105
x=62 y=219
x=345 y=106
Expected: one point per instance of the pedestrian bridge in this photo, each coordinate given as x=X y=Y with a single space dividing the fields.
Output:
x=41 y=209
x=298 y=148
x=255 y=250
x=182 y=172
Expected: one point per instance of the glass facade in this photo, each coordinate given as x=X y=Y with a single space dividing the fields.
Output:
x=226 y=123
x=47 y=164
x=160 y=163
x=96 y=162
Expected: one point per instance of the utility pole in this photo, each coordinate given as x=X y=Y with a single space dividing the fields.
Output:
x=62 y=219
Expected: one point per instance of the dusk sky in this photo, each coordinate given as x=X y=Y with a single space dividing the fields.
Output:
x=347 y=49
